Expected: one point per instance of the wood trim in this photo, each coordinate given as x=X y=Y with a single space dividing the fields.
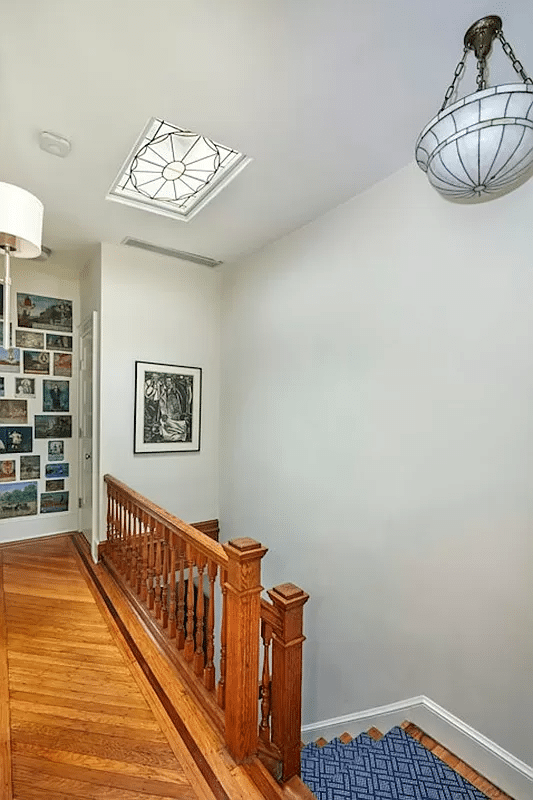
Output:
x=199 y=758
x=210 y=527
x=6 y=785
x=455 y=763
x=36 y=539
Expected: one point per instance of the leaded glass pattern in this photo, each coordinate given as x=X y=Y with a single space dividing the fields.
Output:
x=481 y=146
x=173 y=171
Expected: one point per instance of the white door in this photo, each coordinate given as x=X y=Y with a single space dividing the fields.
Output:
x=87 y=501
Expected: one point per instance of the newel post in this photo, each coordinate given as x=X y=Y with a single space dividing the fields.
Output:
x=289 y=601
x=243 y=608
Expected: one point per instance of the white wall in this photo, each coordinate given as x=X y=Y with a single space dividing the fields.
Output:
x=53 y=278
x=161 y=310
x=377 y=436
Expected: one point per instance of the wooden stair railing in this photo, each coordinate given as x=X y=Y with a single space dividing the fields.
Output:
x=205 y=599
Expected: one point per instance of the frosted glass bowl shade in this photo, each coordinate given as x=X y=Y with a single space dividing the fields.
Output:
x=21 y=216
x=482 y=145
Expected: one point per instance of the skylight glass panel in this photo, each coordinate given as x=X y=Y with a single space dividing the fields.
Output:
x=173 y=171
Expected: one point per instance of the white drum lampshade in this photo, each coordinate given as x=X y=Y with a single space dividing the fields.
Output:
x=21 y=219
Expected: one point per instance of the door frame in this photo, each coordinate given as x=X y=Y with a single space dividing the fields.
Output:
x=90 y=325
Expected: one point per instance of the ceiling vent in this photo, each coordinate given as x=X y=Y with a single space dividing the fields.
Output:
x=183 y=255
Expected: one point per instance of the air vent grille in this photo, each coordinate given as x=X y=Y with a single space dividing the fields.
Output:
x=183 y=255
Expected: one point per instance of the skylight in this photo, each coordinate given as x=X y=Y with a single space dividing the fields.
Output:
x=174 y=172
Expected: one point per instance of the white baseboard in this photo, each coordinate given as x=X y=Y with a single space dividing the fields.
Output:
x=493 y=762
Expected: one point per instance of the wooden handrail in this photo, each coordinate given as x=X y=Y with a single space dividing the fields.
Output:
x=177 y=577
x=204 y=543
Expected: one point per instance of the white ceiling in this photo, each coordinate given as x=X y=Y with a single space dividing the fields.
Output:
x=326 y=96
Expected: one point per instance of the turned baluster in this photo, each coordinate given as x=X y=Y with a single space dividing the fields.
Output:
x=189 y=640
x=123 y=536
x=158 y=569
x=164 y=579
x=199 y=655
x=221 y=687
x=180 y=617
x=135 y=545
x=172 y=588
x=209 y=672
x=151 y=562
x=144 y=538
x=109 y=519
x=264 y=727
x=140 y=551
x=130 y=548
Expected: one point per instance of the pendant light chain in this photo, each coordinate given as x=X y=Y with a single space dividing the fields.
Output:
x=460 y=68
x=481 y=79
x=508 y=50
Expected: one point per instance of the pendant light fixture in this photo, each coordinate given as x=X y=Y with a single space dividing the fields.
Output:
x=482 y=145
x=21 y=223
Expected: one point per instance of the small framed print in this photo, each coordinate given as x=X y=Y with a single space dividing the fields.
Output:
x=46 y=313
x=56 y=470
x=52 y=502
x=13 y=412
x=7 y=471
x=18 y=500
x=56 y=342
x=37 y=362
x=25 y=387
x=55 y=395
x=29 y=339
x=55 y=485
x=167 y=408
x=56 y=450
x=63 y=365
x=2 y=386
x=16 y=439
x=30 y=467
x=51 y=426
x=10 y=360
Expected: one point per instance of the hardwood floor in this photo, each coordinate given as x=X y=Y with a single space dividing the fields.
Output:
x=77 y=723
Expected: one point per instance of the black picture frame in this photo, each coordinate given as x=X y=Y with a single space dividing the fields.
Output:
x=168 y=404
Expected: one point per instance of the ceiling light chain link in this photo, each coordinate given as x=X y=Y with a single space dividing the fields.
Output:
x=453 y=85
x=481 y=80
x=508 y=50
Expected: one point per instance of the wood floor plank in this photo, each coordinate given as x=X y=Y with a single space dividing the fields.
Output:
x=30 y=720
x=62 y=701
x=86 y=716
x=99 y=778
x=5 y=725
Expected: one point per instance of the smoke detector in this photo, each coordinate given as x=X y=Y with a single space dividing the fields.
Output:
x=54 y=144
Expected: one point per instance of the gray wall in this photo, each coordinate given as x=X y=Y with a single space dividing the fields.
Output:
x=377 y=435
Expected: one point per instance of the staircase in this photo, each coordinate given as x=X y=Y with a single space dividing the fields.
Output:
x=397 y=766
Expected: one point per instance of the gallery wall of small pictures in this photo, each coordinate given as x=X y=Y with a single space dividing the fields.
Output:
x=36 y=404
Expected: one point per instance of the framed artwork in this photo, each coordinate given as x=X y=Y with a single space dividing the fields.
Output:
x=55 y=395
x=37 y=362
x=47 y=313
x=31 y=339
x=55 y=485
x=56 y=342
x=56 y=470
x=10 y=360
x=16 y=439
x=13 y=412
x=63 y=365
x=167 y=408
x=48 y=426
x=18 y=500
x=52 y=502
x=56 y=450
x=25 y=387
x=2 y=386
x=30 y=467
x=7 y=471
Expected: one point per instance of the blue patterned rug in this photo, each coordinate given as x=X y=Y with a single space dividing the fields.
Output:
x=396 y=767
